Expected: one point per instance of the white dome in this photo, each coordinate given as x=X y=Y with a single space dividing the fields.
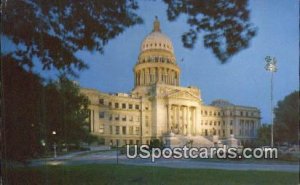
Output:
x=157 y=40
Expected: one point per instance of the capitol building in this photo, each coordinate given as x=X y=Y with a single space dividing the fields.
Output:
x=159 y=108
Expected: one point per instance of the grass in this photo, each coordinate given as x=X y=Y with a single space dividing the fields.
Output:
x=107 y=174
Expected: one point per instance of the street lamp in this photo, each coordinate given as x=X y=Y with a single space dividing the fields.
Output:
x=117 y=151
x=54 y=145
x=271 y=67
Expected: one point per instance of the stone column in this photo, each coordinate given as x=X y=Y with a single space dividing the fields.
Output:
x=184 y=112
x=192 y=120
x=189 y=126
x=180 y=118
x=147 y=76
x=196 y=131
x=168 y=117
x=176 y=115
x=142 y=77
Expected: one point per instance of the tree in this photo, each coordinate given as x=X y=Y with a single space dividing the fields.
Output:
x=224 y=23
x=33 y=109
x=286 y=123
x=21 y=124
x=66 y=113
x=53 y=31
x=264 y=135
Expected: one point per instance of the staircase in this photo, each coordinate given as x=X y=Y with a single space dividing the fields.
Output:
x=190 y=141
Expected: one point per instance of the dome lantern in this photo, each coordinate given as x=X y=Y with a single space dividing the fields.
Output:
x=156 y=25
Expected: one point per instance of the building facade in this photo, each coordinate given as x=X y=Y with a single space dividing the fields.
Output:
x=158 y=105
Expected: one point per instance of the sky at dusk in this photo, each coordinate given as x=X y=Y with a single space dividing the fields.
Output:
x=242 y=80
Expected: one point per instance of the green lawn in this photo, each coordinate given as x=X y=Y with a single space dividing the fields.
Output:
x=122 y=174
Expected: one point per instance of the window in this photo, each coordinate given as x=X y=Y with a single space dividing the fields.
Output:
x=131 y=118
x=131 y=130
x=109 y=104
x=223 y=123
x=117 y=130
x=131 y=142
x=210 y=113
x=101 y=101
x=231 y=132
x=124 y=118
x=110 y=129
x=123 y=106
x=116 y=105
x=231 y=122
x=101 y=114
x=146 y=121
x=210 y=123
x=130 y=106
x=219 y=123
x=117 y=118
x=241 y=113
x=124 y=130
x=101 y=129
x=137 y=130
x=137 y=107
x=215 y=123
x=223 y=133
x=110 y=117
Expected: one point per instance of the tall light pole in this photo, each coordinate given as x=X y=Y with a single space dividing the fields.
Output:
x=271 y=67
x=54 y=145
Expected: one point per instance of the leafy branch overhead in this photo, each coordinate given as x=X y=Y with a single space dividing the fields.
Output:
x=224 y=24
x=52 y=31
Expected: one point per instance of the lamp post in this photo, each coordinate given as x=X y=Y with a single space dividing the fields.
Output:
x=54 y=145
x=271 y=67
x=117 y=151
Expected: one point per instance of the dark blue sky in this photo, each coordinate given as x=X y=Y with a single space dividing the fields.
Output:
x=243 y=80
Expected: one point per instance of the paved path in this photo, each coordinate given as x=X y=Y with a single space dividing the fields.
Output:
x=110 y=158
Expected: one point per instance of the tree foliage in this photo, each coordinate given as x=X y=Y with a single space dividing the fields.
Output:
x=66 y=112
x=264 y=135
x=287 y=119
x=21 y=119
x=224 y=24
x=53 y=31
x=33 y=109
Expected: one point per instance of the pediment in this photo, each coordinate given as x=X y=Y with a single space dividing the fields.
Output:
x=182 y=95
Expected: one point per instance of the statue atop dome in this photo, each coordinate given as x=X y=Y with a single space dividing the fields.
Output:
x=156 y=25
